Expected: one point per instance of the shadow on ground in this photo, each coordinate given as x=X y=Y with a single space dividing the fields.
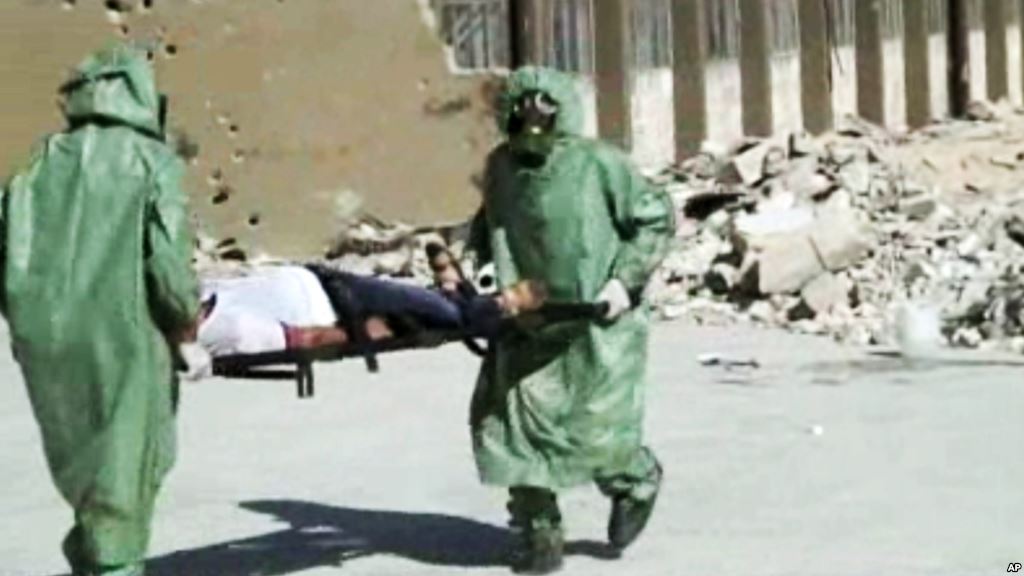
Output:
x=320 y=536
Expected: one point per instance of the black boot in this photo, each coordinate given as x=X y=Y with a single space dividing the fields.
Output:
x=630 y=516
x=540 y=552
x=535 y=516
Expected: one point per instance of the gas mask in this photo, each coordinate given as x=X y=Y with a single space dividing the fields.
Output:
x=531 y=127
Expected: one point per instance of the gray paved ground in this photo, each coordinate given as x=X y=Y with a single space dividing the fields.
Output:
x=819 y=463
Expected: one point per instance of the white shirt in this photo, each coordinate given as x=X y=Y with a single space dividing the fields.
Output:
x=250 y=312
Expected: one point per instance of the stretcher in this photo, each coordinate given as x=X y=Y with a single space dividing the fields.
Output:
x=297 y=364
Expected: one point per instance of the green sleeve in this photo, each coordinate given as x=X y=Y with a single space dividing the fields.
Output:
x=480 y=238
x=171 y=280
x=644 y=218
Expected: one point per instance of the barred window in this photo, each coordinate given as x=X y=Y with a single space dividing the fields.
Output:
x=569 y=47
x=892 y=19
x=723 y=28
x=652 y=34
x=477 y=31
x=783 y=22
x=938 y=16
x=841 y=19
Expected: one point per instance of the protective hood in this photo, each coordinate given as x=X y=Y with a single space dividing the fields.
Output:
x=559 y=86
x=115 y=85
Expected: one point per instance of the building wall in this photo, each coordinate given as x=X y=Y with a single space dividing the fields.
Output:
x=291 y=102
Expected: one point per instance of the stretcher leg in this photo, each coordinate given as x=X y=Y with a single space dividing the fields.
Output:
x=304 y=379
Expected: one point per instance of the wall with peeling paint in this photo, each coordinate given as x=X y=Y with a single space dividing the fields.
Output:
x=290 y=102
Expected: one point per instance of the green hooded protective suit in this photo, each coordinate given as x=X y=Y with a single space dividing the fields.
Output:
x=96 y=248
x=564 y=405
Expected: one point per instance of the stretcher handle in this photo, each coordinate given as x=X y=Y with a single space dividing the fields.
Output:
x=567 y=311
x=549 y=313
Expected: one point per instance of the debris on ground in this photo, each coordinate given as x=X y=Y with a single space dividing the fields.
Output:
x=726 y=361
x=827 y=235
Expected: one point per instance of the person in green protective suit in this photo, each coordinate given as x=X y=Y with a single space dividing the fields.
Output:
x=563 y=405
x=97 y=282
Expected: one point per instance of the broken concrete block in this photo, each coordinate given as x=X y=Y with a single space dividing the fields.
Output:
x=970 y=245
x=773 y=222
x=980 y=111
x=804 y=179
x=747 y=167
x=855 y=176
x=762 y=311
x=841 y=153
x=779 y=199
x=968 y=337
x=919 y=270
x=839 y=239
x=803 y=144
x=826 y=293
x=703 y=166
x=775 y=160
x=786 y=264
x=918 y=206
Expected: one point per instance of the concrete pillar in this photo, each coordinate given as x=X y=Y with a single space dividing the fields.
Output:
x=959 y=56
x=815 y=66
x=755 y=69
x=917 y=62
x=689 y=44
x=870 y=60
x=996 y=66
x=612 y=70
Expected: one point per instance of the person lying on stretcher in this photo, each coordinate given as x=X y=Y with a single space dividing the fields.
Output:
x=296 y=307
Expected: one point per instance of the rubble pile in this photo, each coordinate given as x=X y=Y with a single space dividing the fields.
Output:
x=824 y=236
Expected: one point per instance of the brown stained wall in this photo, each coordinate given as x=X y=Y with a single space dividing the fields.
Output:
x=322 y=95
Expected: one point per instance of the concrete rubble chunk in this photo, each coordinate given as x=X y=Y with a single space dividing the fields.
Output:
x=755 y=227
x=805 y=179
x=840 y=240
x=763 y=312
x=703 y=166
x=826 y=293
x=785 y=264
x=918 y=206
x=748 y=167
x=980 y=111
x=855 y=176
x=841 y=153
x=775 y=160
x=803 y=144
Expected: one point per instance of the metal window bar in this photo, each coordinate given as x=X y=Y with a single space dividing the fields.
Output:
x=476 y=31
x=723 y=29
x=976 y=14
x=652 y=34
x=892 y=19
x=784 y=27
x=568 y=43
x=938 y=16
x=841 y=15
